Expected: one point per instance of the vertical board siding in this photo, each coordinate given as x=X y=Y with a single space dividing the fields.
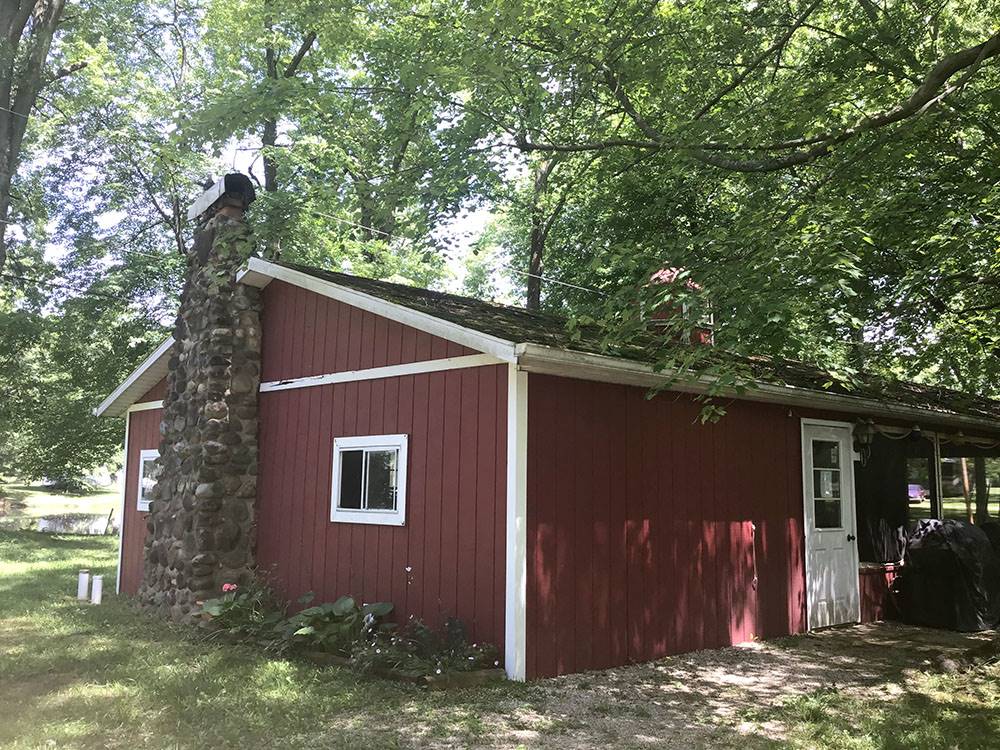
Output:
x=641 y=537
x=143 y=434
x=449 y=558
x=305 y=334
x=157 y=393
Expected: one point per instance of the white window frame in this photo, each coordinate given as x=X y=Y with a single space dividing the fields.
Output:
x=367 y=443
x=147 y=455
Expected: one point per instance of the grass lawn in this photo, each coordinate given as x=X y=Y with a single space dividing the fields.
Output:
x=21 y=504
x=77 y=676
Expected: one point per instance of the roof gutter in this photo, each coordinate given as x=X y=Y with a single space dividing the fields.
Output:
x=598 y=367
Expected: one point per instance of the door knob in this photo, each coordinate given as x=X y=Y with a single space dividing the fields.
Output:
x=851 y=537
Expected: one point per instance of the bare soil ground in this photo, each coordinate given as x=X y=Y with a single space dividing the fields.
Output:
x=699 y=699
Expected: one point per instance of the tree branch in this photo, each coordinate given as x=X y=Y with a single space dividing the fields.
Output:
x=293 y=64
x=781 y=42
x=802 y=150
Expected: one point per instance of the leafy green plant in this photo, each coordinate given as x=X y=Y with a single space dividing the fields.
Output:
x=419 y=650
x=251 y=610
x=337 y=627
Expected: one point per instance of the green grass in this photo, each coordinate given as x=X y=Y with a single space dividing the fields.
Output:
x=77 y=676
x=108 y=676
x=931 y=711
x=20 y=503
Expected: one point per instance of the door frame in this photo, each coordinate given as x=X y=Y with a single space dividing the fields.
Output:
x=807 y=422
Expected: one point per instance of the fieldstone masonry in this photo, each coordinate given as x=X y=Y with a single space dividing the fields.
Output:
x=201 y=523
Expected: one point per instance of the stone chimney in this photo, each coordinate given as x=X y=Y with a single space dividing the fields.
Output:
x=201 y=530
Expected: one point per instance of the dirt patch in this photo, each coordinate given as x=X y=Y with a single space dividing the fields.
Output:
x=697 y=699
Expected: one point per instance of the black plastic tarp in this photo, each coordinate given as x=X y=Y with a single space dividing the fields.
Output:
x=950 y=578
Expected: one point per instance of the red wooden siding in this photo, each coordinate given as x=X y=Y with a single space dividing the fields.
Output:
x=143 y=434
x=876 y=588
x=305 y=333
x=640 y=539
x=157 y=393
x=454 y=537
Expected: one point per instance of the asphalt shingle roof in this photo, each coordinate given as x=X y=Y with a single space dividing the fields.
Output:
x=525 y=326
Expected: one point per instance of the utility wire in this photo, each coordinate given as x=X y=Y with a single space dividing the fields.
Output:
x=14 y=113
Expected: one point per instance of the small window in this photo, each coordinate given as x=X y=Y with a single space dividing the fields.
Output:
x=149 y=470
x=826 y=484
x=369 y=480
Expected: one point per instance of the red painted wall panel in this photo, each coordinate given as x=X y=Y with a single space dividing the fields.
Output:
x=157 y=393
x=876 y=592
x=306 y=334
x=454 y=538
x=641 y=521
x=143 y=434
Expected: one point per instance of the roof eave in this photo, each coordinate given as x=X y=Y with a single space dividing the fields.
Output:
x=260 y=273
x=602 y=368
x=141 y=379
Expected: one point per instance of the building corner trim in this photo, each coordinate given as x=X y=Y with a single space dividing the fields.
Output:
x=515 y=619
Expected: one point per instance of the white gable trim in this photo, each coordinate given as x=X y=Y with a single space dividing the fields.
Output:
x=145 y=376
x=260 y=273
x=388 y=371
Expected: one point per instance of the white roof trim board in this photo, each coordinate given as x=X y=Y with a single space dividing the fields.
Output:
x=260 y=273
x=527 y=356
x=145 y=376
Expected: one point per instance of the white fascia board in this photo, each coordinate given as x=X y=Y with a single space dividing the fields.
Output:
x=260 y=272
x=560 y=362
x=144 y=377
x=389 y=371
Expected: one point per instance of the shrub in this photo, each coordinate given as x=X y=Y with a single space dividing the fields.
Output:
x=250 y=610
x=418 y=650
x=337 y=627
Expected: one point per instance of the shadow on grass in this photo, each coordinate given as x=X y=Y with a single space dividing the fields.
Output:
x=937 y=712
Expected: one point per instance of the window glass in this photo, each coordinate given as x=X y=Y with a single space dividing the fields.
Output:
x=826 y=454
x=149 y=472
x=351 y=472
x=826 y=484
x=381 y=494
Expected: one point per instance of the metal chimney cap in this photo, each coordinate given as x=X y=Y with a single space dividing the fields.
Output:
x=235 y=184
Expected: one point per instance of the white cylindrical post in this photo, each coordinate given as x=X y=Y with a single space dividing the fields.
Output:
x=82 y=584
x=98 y=590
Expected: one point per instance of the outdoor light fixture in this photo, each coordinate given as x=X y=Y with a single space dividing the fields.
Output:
x=864 y=434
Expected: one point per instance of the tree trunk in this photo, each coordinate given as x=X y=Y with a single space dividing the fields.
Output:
x=539 y=231
x=27 y=27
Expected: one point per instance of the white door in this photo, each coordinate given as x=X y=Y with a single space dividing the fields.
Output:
x=832 y=595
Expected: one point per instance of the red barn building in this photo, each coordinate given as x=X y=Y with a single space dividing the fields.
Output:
x=461 y=458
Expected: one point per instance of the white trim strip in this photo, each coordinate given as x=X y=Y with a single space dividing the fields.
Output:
x=146 y=405
x=551 y=361
x=121 y=507
x=143 y=377
x=259 y=272
x=389 y=371
x=515 y=611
